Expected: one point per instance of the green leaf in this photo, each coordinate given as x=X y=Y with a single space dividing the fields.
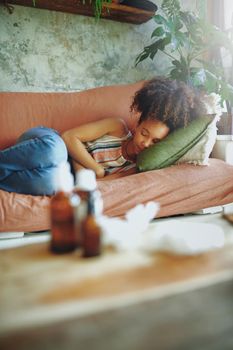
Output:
x=151 y=50
x=183 y=62
x=141 y=57
x=182 y=38
x=157 y=45
x=171 y=7
x=198 y=76
x=153 y=53
x=167 y=40
x=160 y=20
x=159 y=31
x=177 y=24
x=175 y=74
x=177 y=64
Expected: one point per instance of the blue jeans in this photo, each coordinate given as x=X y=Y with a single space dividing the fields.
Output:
x=29 y=166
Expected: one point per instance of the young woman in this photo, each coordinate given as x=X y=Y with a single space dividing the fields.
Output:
x=106 y=146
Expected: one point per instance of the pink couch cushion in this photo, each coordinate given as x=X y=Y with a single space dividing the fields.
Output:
x=23 y=212
x=178 y=189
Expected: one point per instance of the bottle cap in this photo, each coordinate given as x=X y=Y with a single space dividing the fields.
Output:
x=85 y=180
x=64 y=180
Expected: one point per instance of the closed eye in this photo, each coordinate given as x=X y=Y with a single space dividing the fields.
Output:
x=156 y=140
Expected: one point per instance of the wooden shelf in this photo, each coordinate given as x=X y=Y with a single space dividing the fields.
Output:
x=112 y=11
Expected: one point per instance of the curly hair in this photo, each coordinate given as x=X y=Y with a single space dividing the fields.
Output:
x=170 y=101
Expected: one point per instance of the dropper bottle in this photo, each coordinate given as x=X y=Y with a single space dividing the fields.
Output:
x=63 y=230
x=92 y=233
x=84 y=185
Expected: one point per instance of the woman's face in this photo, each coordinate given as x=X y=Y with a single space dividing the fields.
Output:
x=148 y=133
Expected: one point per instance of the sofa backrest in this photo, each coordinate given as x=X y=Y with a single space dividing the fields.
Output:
x=20 y=111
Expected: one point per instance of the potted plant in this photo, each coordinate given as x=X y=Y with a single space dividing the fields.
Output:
x=98 y=5
x=189 y=42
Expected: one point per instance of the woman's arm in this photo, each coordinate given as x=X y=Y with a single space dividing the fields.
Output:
x=121 y=174
x=74 y=139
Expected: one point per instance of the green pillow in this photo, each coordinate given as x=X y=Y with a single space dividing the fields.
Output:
x=174 y=146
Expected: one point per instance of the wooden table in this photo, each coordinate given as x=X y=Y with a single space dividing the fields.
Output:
x=118 y=301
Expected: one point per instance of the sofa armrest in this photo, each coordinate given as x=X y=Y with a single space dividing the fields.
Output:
x=223 y=148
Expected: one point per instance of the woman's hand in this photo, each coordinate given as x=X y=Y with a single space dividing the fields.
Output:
x=100 y=172
x=120 y=174
x=98 y=169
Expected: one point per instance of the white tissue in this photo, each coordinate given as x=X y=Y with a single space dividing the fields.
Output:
x=173 y=236
x=186 y=238
x=127 y=234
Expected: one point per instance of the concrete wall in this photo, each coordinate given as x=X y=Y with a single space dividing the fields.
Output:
x=48 y=50
x=44 y=50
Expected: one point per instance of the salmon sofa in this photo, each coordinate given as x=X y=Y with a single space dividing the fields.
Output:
x=179 y=189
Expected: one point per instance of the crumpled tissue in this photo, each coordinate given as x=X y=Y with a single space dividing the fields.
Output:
x=173 y=236
x=127 y=234
x=185 y=238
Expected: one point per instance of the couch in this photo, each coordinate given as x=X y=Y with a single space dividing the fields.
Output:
x=179 y=189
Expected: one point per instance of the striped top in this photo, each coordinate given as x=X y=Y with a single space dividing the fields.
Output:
x=107 y=151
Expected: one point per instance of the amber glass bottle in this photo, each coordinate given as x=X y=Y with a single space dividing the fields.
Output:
x=91 y=231
x=85 y=183
x=63 y=229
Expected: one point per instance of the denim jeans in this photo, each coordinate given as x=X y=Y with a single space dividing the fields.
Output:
x=29 y=166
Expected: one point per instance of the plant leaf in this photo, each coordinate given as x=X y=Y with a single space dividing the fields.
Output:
x=141 y=57
x=160 y=20
x=171 y=7
x=159 y=31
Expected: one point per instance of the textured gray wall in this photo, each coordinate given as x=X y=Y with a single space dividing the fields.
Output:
x=48 y=50
x=43 y=50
